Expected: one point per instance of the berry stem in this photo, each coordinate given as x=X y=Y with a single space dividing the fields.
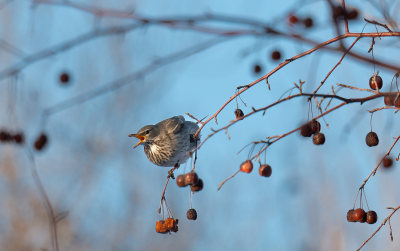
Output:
x=223 y=182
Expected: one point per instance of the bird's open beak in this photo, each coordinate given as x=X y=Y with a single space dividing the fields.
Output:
x=140 y=137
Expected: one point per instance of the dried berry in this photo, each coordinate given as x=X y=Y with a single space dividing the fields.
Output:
x=315 y=126
x=265 y=170
x=191 y=178
x=180 y=180
x=375 y=82
x=19 y=138
x=350 y=216
x=371 y=217
x=198 y=186
x=338 y=12
x=308 y=22
x=191 y=214
x=306 y=130
x=276 y=55
x=160 y=227
x=396 y=101
x=372 y=139
x=246 y=166
x=40 y=142
x=64 y=78
x=387 y=162
x=389 y=100
x=359 y=215
x=5 y=136
x=319 y=138
x=239 y=113
x=171 y=224
x=257 y=68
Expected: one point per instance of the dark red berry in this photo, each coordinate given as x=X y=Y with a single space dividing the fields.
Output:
x=5 y=136
x=198 y=186
x=352 y=14
x=350 y=216
x=64 y=78
x=371 y=139
x=319 y=138
x=396 y=101
x=276 y=55
x=372 y=217
x=293 y=19
x=338 y=12
x=41 y=142
x=191 y=214
x=389 y=100
x=265 y=170
x=180 y=181
x=246 y=166
x=308 y=22
x=191 y=178
x=359 y=215
x=375 y=82
x=239 y=113
x=387 y=162
x=257 y=68
x=19 y=138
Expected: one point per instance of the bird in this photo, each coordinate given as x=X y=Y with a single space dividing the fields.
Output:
x=170 y=142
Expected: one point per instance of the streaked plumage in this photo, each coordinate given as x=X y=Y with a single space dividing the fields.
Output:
x=168 y=142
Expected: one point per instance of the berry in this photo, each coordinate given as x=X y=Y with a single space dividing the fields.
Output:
x=372 y=139
x=64 y=78
x=315 y=126
x=306 y=130
x=171 y=224
x=246 y=166
x=375 y=82
x=396 y=101
x=191 y=214
x=308 y=22
x=387 y=162
x=257 y=68
x=371 y=217
x=276 y=55
x=160 y=227
x=319 y=138
x=198 y=186
x=191 y=178
x=5 y=136
x=293 y=19
x=265 y=170
x=338 y=11
x=180 y=180
x=19 y=138
x=350 y=215
x=40 y=142
x=359 y=215
x=239 y=113
x=389 y=100
x=352 y=14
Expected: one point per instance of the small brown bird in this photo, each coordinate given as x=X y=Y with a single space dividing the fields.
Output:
x=169 y=142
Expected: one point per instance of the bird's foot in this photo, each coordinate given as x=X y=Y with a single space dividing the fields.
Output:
x=171 y=172
x=193 y=138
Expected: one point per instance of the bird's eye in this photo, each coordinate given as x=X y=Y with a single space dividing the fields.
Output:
x=147 y=132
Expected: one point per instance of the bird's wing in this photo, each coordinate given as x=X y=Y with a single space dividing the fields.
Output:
x=174 y=124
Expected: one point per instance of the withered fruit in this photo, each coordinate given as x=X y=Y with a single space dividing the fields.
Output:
x=319 y=138
x=191 y=214
x=265 y=170
x=246 y=166
x=372 y=139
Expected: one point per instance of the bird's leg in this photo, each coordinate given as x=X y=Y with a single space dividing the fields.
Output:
x=171 y=172
x=193 y=138
x=170 y=175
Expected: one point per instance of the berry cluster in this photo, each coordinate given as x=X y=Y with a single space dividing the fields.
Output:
x=8 y=137
x=308 y=22
x=167 y=225
x=313 y=127
x=359 y=215
x=190 y=179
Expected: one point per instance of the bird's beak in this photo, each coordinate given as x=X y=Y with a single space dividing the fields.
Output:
x=140 y=137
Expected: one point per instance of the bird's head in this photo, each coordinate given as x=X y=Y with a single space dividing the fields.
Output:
x=146 y=134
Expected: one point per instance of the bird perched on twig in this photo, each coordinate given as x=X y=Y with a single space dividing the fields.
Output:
x=169 y=142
